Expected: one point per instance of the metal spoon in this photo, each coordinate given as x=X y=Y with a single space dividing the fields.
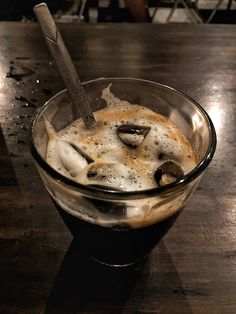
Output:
x=80 y=99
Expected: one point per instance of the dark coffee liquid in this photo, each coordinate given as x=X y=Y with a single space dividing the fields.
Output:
x=117 y=245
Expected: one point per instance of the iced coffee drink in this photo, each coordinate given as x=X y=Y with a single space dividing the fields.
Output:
x=133 y=151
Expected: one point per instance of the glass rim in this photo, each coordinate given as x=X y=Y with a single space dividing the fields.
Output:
x=99 y=192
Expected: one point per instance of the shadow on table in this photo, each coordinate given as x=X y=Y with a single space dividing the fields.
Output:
x=83 y=285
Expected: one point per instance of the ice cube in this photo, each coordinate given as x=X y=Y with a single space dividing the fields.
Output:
x=168 y=172
x=62 y=155
x=71 y=159
x=109 y=207
x=113 y=175
x=132 y=135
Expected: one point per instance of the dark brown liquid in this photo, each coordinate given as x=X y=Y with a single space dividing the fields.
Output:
x=116 y=245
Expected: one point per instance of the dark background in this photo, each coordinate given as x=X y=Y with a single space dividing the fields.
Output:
x=14 y=9
x=18 y=10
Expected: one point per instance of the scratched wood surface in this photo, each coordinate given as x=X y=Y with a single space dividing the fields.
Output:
x=193 y=269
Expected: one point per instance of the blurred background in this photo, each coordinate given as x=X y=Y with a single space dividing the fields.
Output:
x=100 y=11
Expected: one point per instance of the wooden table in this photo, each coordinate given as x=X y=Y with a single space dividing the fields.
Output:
x=193 y=270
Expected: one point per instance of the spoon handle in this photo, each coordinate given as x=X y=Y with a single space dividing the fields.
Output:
x=80 y=99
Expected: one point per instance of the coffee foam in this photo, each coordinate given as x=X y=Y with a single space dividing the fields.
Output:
x=114 y=163
x=104 y=146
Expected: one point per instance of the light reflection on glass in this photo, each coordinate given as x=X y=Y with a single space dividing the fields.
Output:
x=196 y=121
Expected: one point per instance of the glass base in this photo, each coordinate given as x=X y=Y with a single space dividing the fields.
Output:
x=119 y=265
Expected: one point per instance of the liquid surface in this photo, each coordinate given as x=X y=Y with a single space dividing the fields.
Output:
x=132 y=148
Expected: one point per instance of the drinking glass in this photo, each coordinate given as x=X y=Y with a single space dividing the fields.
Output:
x=97 y=215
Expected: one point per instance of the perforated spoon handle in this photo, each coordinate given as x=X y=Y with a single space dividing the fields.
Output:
x=60 y=54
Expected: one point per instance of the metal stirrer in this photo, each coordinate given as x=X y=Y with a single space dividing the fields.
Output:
x=65 y=65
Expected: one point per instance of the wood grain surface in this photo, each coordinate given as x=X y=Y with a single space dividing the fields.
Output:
x=193 y=269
